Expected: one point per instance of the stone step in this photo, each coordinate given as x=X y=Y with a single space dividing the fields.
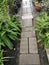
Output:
x=26 y=11
x=24 y=45
x=33 y=45
x=26 y=22
x=28 y=29
x=27 y=16
x=28 y=45
x=28 y=34
x=29 y=59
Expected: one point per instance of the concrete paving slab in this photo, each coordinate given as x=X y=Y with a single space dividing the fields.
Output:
x=27 y=22
x=29 y=59
x=27 y=17
x=28 y=29
x=24 y=45
x=28 y=34
x=26 y=10
x=33 y=45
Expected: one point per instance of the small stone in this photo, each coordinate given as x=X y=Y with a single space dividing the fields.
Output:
x=14 y=49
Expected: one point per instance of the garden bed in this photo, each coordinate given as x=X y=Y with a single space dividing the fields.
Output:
x=10 y=33
x=12 y=55
x=42 y=53
x=14 y=6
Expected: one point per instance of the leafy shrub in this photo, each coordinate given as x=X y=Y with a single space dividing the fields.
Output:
x=14 y=6
x=1 y=57
x=42 y=27
x=46 y=5
x=10 y=28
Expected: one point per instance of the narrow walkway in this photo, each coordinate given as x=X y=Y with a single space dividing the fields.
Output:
x=28 y=46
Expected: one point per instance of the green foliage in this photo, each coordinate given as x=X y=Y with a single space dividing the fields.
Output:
x=46 y=6
x=42 y=27
x=1 y=1
x=14 y=6
x=1 y=57
x=11 y=2
x=9 y=26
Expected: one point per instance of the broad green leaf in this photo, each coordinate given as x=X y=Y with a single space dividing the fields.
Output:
x=7 y=42
x=13 y=37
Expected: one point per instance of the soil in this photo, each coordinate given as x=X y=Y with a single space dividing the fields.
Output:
x=42 y=53
x=12 y=53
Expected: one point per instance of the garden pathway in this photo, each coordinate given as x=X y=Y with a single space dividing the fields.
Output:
x=28 y=46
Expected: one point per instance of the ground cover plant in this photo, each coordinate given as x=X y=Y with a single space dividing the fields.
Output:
x=10 y=28
x=42 y=27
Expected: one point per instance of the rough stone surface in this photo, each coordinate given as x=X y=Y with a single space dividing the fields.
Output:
x=27 y=16
x=26 y=22
x=33 y=45
x=29 y=59
x=28 y=29
x=24 y=45
x=26 y=10
x=28 y=34
x=28 y=46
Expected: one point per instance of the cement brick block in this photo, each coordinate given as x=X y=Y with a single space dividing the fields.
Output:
x=29 y=59
x=33 y=45
x=28 y=29
x=24 y=45
x=28 y=34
